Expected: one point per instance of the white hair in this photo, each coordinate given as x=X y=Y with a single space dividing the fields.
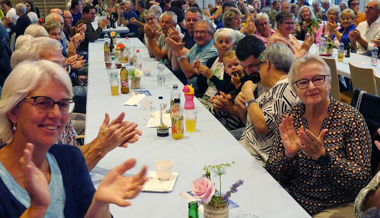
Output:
x=225 y=32
x=21 y=7
x=21 y=81
x=21 y=40
x=169 y=13
x=36 y=30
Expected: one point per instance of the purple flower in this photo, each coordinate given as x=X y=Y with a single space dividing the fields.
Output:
x=233 y=189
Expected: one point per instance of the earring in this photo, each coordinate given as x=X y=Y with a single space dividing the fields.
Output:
x=14 y=127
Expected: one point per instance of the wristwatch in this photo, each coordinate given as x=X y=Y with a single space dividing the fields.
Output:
x=250 y=102
x=180 y=58
x=324 y=160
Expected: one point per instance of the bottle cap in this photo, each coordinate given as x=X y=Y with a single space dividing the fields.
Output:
x=126 y=37
x=160 y=97
x=160 y=61
x=177 y=100
x=137 y=50
x=113 y=58
x=175 y=86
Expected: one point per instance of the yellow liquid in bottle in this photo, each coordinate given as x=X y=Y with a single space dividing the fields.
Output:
x=177 y=128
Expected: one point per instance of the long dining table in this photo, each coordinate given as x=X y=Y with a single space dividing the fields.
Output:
x=260 y=196
x=356 y=59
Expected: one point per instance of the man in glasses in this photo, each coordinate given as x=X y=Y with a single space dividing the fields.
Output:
x=366 y=31
x=360 y=16
x=112 y=134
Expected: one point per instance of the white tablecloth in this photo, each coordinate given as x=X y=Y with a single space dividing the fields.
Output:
x=260 y=195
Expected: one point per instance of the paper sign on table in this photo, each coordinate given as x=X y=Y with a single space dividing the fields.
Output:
x=154 y=120
x=134 y=100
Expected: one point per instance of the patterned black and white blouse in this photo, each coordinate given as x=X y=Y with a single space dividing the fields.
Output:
x=273 y=103
x=348 y=143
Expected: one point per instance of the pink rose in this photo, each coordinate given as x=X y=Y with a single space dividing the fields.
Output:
x=204 y=189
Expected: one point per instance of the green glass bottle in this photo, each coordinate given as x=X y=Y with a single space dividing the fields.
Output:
x=193 y=209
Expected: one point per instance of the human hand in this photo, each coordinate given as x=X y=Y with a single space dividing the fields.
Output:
x=236 y=76
x=298 y=27
x=331 y=26
x=133 y=20
x=312 y=145
x=120 y=11
x=354 y=35
x=174 y=34
x=76 y=61
x=149 y=32
x=176 y=47
x=240 y=101
x=304 y=25
x=117 y=133
x=115 y=188
x=376 y=41
x=289 y=137
x=103 y=23
x=35 y=183
x=205 y=71
x=226 y=101
x=377 y=143
x=195 y=65
x=314 y=29
x=7 y=20
x=77 y=39
x=81 y=28
x=308 y=42
x=216 y=102
x=247 y=90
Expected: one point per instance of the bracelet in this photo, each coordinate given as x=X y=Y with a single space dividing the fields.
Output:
x=250 y=102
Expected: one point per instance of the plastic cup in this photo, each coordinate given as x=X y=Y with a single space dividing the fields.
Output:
x=147 y=71
x=113 y=77
x=190 y=120
x=146 y=108
x=164 y=169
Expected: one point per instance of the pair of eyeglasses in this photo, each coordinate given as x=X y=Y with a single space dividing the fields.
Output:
x=44 y=104
x=333 y=14
x=289 y=23
x=370 y=8
x=258 y=65
x=317 y=81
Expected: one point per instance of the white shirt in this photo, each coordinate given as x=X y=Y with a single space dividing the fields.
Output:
x=33 y=17
x=368 y=33
x=12 y=14
x=218 y=70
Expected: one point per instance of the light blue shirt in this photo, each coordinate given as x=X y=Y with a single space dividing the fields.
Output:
x=202 y=53
x=56 y=189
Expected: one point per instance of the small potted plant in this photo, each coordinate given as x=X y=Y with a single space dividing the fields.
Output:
x=329 y=46
x=135 y=75
x=215 y=203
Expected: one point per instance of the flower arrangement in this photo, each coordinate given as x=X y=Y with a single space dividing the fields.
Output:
x=329 y=43
x=135 y=73
x=205 y=190
x=120 y=46
x=113 y=34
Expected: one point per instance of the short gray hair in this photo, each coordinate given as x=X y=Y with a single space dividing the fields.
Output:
x=261 y=16
x=279 y=55
x=24 y=78
x=325 y=1
x=299 y=16
x=228 y=15
x=51 y=25
x=211 y=29
x=21 y=40
x=21 y=7
x=171 y=14
x=157 y=9
x=151 y=13
x=301 y=61
x=334 y=8
x=36 y=30
x=225 y=32
x=348 y=12
x=32 y=50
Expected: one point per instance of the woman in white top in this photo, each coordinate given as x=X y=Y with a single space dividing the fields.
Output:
x=30 y=10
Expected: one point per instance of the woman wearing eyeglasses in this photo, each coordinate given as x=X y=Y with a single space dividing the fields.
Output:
x=37 y=177
x=285 y=26
x=322 y=150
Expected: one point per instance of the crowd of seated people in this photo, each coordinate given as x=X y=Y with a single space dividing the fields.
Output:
x=249 y=65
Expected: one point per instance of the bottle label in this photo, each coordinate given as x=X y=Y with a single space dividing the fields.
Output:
x=124 y=83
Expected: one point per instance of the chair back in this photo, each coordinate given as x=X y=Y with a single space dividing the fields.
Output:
x=335 y=92
x=363 y=78
x=13 y=41
x=377 y=81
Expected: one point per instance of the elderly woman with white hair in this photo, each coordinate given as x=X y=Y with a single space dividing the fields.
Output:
x=38 y=176
x=306 y=23
x=327 y=28
x=264 y=32
x=259 y=134
x=36 y=30
x=322 y=149
x=22 y=22
x=212 y=77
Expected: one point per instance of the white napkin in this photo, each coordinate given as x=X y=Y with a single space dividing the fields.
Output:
x=134 y=100
x=154 y=120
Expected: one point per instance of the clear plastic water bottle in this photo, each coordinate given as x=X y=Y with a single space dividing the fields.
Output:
x=161 y=74
x=138 y=59
x=175 y=93
x=341 y=52
x=374 y=57
x=322 y=45
x=106 y=37
x=126 y=42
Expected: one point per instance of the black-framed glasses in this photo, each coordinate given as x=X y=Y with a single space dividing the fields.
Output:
x=317 y=81
x=67 y=67
x=44 y=104
x=258 y=65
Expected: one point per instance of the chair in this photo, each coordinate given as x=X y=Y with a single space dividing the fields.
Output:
x=13 y=41
x=335 y=92
x=363 y=79
x=377 y=81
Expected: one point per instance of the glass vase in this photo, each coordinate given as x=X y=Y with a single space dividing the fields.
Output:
x=135 y=83
x=216 y=210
